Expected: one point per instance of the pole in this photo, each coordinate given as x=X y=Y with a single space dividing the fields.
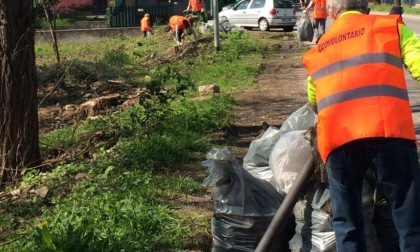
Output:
x=286 y=207
x=216 y=25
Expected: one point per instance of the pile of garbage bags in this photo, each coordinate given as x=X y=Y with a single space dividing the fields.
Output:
x=247 y=196
x=244 y=205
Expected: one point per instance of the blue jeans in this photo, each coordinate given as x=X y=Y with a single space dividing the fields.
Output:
x=397 y=171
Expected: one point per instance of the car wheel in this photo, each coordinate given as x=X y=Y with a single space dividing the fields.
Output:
x=263 y=24
x=288 y=28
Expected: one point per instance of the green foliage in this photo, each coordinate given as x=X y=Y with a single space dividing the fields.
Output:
x=97 y=218
x=115 y=58
x=38 y=4
x=237 y=43
x=213 y=68
x=77 y=72
x=185 y=185
x=180 y=135
x=387 y=7
x=200 y=116
x=63 y=238
x=126 y=202
x=156 y=98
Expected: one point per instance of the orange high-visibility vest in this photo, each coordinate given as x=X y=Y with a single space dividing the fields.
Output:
x=145 y=24
x=177 y=20
x=320 y=9
x=196 y=5
x=358 y=76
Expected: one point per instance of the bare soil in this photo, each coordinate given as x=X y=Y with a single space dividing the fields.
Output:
x=279 y=91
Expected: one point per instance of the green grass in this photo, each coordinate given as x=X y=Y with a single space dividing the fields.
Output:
x=387 y=7
x=126 y=203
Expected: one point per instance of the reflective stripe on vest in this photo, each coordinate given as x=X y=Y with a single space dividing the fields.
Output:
x=363 y=92
x=358 y=76
x=378 y=89
x=358 y=60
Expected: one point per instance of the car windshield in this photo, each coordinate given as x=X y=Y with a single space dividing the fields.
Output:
x=282 y=4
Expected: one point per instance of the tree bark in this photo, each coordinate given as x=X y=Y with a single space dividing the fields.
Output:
x=19 y=139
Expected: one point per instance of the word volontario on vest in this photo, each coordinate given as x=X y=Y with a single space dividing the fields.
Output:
x=337 y=39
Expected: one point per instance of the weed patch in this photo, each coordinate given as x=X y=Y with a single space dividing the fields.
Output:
x=112 y=180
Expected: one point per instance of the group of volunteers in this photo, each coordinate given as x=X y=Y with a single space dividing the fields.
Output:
x=180 y=25
x=356 y=84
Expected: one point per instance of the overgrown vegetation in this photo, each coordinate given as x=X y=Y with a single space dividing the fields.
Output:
x=387 y=7
x=110 y=182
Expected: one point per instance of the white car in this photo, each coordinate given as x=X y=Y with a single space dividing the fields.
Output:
x=264 y=14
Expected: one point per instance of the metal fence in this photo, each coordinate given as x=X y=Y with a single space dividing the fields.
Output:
x=403 y=2
x=130 y=16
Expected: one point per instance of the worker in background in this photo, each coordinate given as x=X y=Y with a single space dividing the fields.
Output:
x=197 y=7
x=145 y=26
x=356 y=83
x=319 y=15
x=303 y=4
x=181 y=26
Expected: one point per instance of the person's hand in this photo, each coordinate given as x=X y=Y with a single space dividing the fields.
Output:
x=203 y=10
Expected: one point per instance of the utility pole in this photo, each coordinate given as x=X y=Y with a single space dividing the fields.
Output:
x=216 y=25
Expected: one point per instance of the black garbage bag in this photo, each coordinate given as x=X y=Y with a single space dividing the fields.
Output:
x=244 y=205
x=305 y=31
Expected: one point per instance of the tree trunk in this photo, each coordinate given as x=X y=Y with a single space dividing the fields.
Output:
x=19 y=139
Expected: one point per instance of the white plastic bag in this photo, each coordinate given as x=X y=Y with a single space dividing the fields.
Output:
x=288 y=157
x=256 y=160
x=305 y=31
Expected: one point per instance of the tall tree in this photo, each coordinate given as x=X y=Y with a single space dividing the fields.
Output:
x=19 y=139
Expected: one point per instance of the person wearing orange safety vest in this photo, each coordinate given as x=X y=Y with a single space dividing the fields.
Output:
x=319 y=15
x=145 y=26
x=180 y=25
x=197 y=7
x=357 y=86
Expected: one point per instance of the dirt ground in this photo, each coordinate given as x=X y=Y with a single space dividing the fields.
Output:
x=279 y=91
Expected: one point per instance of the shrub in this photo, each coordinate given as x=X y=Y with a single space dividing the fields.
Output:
x=71 y=6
